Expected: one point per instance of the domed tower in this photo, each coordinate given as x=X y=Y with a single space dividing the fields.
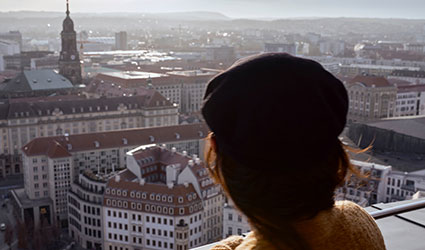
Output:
x=69 y=60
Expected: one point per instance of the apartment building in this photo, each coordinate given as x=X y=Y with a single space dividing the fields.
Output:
x=380 y=184
x=51 y=164
x=368 y=190
x=184 y=88
x=234 y=222
x=193 y=86
x=22 y=120
x=401 y=185
x=370 y=98
x=410 y=100
x=158 y=202
x=353 y=70
x=85 y=213
x=413 y=76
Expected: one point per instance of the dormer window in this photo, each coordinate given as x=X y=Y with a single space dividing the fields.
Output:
x=124 y=141
x=177 y=136
x=96 y=144
x=151 y=138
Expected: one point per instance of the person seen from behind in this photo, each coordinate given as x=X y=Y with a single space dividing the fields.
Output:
x=275 y=121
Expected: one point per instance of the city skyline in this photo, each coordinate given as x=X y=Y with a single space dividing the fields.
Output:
x=410 y=9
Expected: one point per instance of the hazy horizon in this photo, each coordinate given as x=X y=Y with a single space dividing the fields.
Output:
x=410 y=9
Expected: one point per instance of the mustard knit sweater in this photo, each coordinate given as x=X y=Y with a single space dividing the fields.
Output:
x=346 y=226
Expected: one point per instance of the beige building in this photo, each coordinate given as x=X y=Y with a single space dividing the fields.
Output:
x=353 y=70
x=85 y=213
x=370 y=98
x=184 y=88
x=163 y=200
x=22 y=120
x=51 y=164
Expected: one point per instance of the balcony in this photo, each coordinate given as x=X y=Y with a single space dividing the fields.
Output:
x=402 y=224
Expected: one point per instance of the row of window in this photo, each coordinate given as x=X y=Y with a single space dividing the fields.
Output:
x=152 y=196
x=91 y=221
x=160 y=244
x=230 y=217
x=151 y=208
x=91 y=210
x=93 y=233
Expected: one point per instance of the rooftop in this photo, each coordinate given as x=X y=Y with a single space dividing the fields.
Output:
x=384 y=67
x=113 y=139
x=26 y=202
x=67 y=106
x=409 y=125
x=191 y=73
x=134 y=75
x=370 y=81
x=36 y=80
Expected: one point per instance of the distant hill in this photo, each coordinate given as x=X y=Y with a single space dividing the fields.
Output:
x=188 y=16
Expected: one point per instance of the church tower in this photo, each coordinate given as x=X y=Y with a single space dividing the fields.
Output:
x=69 y=60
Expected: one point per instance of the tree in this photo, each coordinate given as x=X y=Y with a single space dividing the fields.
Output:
x=22 y=236
x=36 y=240
x=8 y=236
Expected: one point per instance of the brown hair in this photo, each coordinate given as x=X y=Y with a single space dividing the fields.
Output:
x=274 y=199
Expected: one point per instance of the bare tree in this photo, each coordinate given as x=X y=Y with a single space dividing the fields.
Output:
x=22 y=236
x=36 y=240
x=8 y=236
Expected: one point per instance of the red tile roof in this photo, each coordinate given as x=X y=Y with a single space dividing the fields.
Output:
x=369 y=81
x=115 y=139
x=411 y=88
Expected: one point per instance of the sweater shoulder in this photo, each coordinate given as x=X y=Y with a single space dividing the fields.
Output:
x=360 y=224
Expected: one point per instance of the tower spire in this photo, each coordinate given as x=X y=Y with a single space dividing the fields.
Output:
x=67 y=7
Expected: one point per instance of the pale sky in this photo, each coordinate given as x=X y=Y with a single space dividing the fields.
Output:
x=237 y=8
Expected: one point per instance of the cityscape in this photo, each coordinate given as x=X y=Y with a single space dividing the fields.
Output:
x=102 y=139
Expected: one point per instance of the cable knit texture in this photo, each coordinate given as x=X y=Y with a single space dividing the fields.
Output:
x=345 y=226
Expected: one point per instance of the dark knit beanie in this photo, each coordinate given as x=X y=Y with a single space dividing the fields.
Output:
x=275 y=107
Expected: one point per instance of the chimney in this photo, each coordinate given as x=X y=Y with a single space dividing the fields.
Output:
x=197 y=161
x=117 y=178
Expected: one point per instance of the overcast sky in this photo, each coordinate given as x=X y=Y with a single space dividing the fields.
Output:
x=237 y=8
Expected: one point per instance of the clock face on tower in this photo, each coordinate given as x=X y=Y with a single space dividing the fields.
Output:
x=72 y=57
